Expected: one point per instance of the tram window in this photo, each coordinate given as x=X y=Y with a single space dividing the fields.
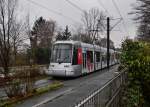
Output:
x=97 y=56
x=90 y=56
x=61 y=53
x=75 y=57
x=84 y=60
x=103 y=58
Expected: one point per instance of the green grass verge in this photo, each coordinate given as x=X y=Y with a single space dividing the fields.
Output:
x=51 y=87
x=54 y=86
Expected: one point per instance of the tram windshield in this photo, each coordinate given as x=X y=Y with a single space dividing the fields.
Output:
x=61 y=53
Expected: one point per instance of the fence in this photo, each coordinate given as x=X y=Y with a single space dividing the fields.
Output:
x=108 y=95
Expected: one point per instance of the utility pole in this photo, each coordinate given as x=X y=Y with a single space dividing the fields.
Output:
x=108 y=41
x=108 y=36
x=96 y=31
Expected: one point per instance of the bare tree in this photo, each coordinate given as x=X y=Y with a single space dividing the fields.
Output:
x=7 y=16
x=93 y=20
x=11 y=34
x=81 y=35
x=103 y=43
x=78 y=31
x=18 y=38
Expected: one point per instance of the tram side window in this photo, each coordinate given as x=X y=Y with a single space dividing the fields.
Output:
x=103 y=58
x=97 y=56
x=84 y=60
x=75 y=57
x=90 y=56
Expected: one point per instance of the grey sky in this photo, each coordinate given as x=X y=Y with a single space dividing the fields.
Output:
x=66 y=9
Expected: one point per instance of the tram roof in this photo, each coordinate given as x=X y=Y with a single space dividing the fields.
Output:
x=83 y=44
x=67 y=42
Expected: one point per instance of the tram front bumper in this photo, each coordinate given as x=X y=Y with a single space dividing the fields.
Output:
x=61 y=73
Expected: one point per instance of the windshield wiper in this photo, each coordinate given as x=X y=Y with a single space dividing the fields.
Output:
x=64 y=59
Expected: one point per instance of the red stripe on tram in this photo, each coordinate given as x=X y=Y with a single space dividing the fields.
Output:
x=79 y=56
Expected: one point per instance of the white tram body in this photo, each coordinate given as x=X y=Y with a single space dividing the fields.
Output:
x=74 y=58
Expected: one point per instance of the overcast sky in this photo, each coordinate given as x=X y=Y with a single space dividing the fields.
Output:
x=73 y=15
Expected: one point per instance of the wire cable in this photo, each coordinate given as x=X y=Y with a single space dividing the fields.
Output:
x=102 y=5
x=52 y=11
x=74 y=5
x=118 y=10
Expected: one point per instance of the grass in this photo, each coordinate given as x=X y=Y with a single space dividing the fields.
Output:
x=56 y=85
x=51 y=87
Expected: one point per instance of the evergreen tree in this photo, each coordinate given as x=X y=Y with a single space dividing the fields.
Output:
x=41 y=38
x=64 y=35
x=42 y=32
x=142 y=16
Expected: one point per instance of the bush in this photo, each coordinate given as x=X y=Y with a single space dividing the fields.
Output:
x=136 y=57
x=40 y=55
x=14 y=88
x=21 y=81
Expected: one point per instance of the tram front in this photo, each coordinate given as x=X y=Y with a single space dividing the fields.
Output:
x=61 y=59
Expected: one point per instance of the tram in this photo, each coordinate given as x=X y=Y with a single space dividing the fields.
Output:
x=75 y=58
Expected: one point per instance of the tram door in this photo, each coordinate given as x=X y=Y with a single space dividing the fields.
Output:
x=84 y=62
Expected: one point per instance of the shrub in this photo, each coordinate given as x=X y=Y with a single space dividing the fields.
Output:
x=136 y=57
x=14 y=88
x=21 y=81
